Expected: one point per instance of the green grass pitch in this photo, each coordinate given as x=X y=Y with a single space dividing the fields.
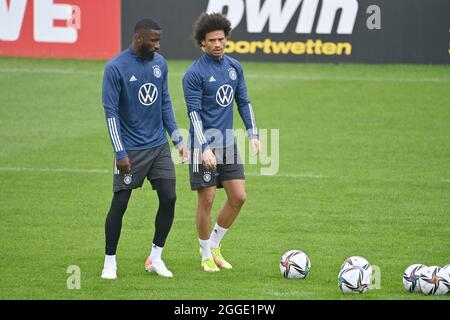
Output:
x=364 y=169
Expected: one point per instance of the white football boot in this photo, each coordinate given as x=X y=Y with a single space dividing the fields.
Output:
x=157 y=267
x=109 y=273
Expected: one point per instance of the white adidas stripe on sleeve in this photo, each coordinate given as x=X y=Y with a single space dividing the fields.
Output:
x=252 y=116
x=114 y=134
x=197 y=127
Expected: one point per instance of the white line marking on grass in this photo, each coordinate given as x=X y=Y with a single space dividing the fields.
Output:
x=335 y=78
x=248 y=75
x=53 y=170
x=51 y=71
x=285 y=294
x=339 y=78
x=78 y=170
x=287 y=175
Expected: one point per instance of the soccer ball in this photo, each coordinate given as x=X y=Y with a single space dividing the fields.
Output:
x=357 y=261
x=353 y=279
x=446 y=269
x=411 y=277
x=295 y=264
x=434 y=281
x=360 y=262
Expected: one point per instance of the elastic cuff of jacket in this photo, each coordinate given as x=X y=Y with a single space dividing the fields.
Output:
x=121 y=155
x=205 y=147
x=253 y=136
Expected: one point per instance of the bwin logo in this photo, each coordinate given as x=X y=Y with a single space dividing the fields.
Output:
x=224 y=95
x=278 y=14
x=148 y=94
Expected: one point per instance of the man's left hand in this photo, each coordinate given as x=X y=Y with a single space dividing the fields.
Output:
x=256 y=146
x=184 y=152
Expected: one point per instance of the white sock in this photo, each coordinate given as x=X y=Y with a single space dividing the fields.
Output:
x=110 y=261
x=206 y=251
x=216 y=236
x=156 y=252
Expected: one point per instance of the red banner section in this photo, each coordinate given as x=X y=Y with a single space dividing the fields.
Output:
x=83 y=29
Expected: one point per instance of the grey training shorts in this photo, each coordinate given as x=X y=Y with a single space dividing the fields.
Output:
x=229 y=167
x=154 y=163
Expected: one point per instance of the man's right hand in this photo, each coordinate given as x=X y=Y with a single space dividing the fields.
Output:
x=124 y=165
x=209 y=159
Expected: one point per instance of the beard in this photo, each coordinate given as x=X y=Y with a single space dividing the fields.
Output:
x=145 y=53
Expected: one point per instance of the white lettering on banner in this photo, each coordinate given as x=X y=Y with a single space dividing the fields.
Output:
x=45 y=12
x=11 y=20
x=271 y=11
x=306 y=17
x=278 y=15
x=328 y=14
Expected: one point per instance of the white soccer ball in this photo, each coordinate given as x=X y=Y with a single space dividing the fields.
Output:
x=434 y=280
x=360 y=262
x=357 y=261
x=411 y=277
x=353 y=279
x=447 y=268
x=295 y=264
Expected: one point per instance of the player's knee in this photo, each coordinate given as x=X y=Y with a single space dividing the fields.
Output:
x=166 y=191
x=120 y=200
x=169 y=198
x=238 y=200
x=206 y=201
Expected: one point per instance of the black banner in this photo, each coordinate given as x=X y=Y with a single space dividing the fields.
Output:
x=363 y=31
x=225 y=309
